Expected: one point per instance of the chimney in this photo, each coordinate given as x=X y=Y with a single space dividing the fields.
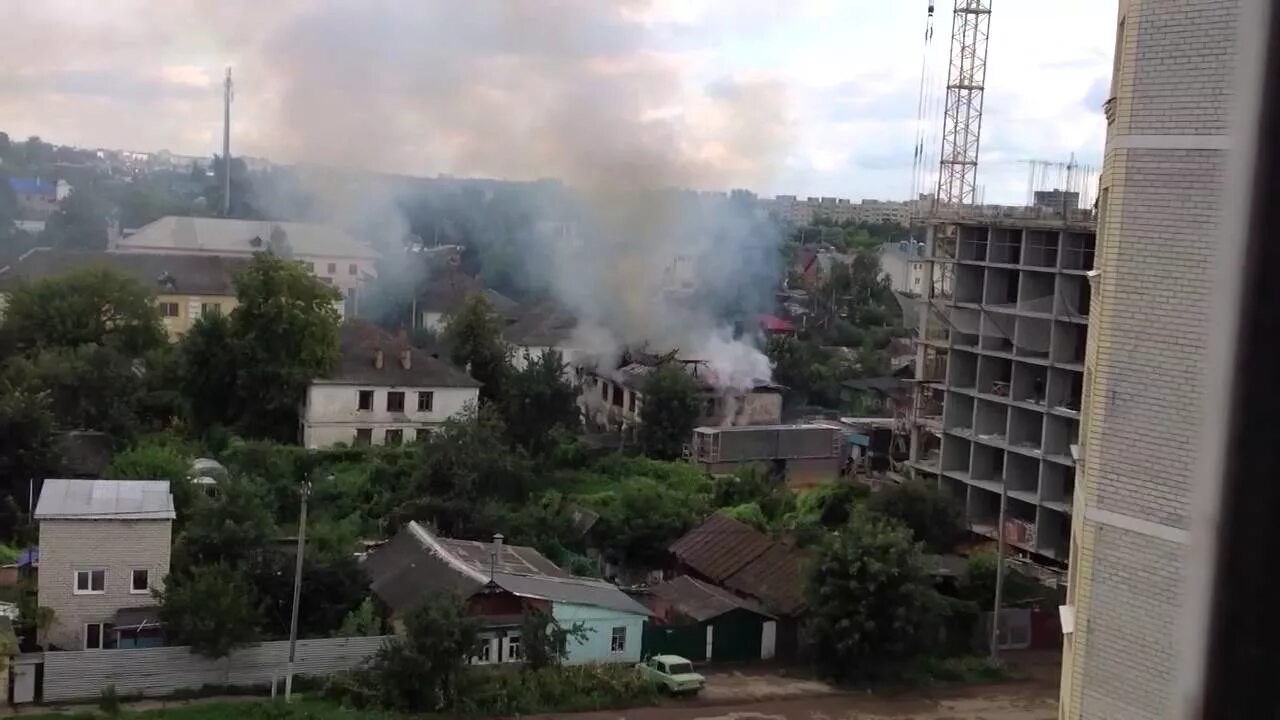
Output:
x=377 y=358
x=406 y=359
x=497 y=540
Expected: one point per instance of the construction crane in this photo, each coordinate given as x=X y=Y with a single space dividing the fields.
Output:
x=962 y=116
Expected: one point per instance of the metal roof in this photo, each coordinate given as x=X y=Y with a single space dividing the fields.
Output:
x=62 y=499
x=242 y=237
x=572 y=590
x=162 y=273
x=776 y=578
x=719 y=547
x=510 y=558
x=359 y=343
x=702 y=601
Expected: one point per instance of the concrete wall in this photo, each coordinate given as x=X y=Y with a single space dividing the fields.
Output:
x=331 y=413
x=1160 y=197
x=117 y=546
x=600 y=623
x=162 y=671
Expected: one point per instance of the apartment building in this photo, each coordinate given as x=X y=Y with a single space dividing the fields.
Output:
x=1167 y=135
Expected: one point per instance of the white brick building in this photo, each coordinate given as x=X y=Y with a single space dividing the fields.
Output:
x=104 y=546
x=1159 y=203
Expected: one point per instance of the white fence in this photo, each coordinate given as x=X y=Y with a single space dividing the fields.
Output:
x=82 y=675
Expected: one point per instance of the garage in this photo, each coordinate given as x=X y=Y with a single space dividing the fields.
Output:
x=731 y=628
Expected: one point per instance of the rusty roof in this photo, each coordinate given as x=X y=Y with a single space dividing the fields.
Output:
x=720 y=547
x=703 y=601
x=776 y=578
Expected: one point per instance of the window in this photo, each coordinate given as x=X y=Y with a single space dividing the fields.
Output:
x=709 y=407
x=168 y=309
x=424 y=433
x=513 y=649
x=91 y=582
x=484 y=651
x=351 y=269
x=326 y=280
x=364 y=436
x=365 y=400
x=210 y=308
x=618 y=642
x=395 y=402
x=631 y=402
x=394 y=437
x=425 y=401
x=94 y=636
x=604 y=390
x=333 y=268
x=139 y=581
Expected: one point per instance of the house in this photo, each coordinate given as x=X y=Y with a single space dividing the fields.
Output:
x=543 y=327
x=104 y=546
x=500 y=583
x=449 y=290
x=772 y=325
x=889 y=396
x=700 y=621
x=738 y=558
x=186 y=286
x=38 y=198
x=382 y=391
x=333 y=256
x=611 y=397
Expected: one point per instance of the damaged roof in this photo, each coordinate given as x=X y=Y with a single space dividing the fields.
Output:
x=449 y=291
x=545 y=325
x=703 y=601
x=359 y=343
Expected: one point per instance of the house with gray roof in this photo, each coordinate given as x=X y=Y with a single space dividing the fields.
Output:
x=104 y=546
x=501 y=583
x=382 y=391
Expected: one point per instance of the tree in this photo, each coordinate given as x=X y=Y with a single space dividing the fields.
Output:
x=474 y=338
x=210 y=608
x=333 y=585
x=544 y=642
x=932 y=517
x=95 y=306
x=89 y=387
x=642 y=517
x=159 y=461
x=420 y=671
x=285 y=331
x=207 y=362
x=26 y=448
x=872 y=605
x=669 y=412
x=79 y=223
x=231 y=528
x=539 y=399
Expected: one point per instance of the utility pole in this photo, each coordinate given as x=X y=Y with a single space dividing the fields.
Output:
x=226 y=145
x=297 y=591
x=995 y=609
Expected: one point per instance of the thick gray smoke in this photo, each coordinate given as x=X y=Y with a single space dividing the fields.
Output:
x=587 y=91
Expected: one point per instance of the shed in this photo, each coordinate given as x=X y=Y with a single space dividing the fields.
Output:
x=722 y=625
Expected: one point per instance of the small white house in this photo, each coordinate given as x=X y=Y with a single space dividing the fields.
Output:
x=383 y=391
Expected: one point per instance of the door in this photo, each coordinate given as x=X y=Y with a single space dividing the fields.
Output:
x=768 y=639
x=24 y=683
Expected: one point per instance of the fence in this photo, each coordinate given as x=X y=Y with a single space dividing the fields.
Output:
x=153 y=672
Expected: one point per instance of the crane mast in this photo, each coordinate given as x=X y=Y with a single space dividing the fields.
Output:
x=962 y=114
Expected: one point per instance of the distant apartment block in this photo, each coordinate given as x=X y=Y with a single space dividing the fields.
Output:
x=1057 y=199
x=805 y=211
x=1167 y=139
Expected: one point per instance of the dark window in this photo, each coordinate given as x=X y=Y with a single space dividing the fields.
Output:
x=169 y=309
x=617 y=395
x=395 y=437
x=395 y=402
x=139 y=581
x=351 y=269
x=709 y=407
x=631 y=402
x=93 y=636
x=91 y=581
x=210 y=308
x=364 y=436
x=366 y=400
x=425 y=401
x=333 y=268
x=604 y=390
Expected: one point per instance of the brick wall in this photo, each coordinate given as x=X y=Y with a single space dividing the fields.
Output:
x=118 y=546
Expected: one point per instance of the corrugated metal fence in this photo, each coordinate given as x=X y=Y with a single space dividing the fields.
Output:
x=82 y=675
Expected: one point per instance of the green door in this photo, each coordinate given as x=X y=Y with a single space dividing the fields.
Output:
x=736 y=636
x=687 y=641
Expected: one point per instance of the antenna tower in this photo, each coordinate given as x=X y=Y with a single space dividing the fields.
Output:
x=227 y=94
x=962 y=119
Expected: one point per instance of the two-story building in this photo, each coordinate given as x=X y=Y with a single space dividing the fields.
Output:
x=104 y=546
x=501 y=583
x=186 y=286
x=383 y=391
x=333 y=256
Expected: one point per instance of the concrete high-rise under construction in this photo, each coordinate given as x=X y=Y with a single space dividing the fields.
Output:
x=1167 y=140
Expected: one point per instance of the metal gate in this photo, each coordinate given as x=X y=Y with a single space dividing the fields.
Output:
x=688 y=641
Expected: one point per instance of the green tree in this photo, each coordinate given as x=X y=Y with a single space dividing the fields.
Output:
x=232 y=528
x=208 y=370
x=79 y=223
x=364 y=621
x=935 y=519
x=539 y=399
x=979 y=583
x=210 y=608
x=89 y=387
x=669 y=412
x=333 y=585
x=95 y=306
x=158 y=460
x=26 y=448
x=285 y=330
x=420 y=671
x=474 y=337
x=642 y=517
x=872 y=605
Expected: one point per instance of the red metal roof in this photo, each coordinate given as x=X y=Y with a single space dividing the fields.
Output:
x=720 y=547
x=772 y=323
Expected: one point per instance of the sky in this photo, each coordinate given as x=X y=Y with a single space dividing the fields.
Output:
x=809 y=97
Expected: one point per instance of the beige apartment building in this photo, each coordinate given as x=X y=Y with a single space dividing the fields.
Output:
x=1167 y=138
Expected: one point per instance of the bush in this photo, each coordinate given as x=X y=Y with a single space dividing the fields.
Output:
x=499 y=691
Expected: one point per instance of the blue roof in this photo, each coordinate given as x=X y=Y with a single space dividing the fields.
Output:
x=31 y=186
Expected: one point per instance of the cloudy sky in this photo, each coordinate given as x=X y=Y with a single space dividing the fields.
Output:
x=807 y=97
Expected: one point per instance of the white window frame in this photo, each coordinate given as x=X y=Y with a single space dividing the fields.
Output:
x=102 y=636
x=133 y=588
x=506 y=649
x=75 y=581
x=618 y=643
